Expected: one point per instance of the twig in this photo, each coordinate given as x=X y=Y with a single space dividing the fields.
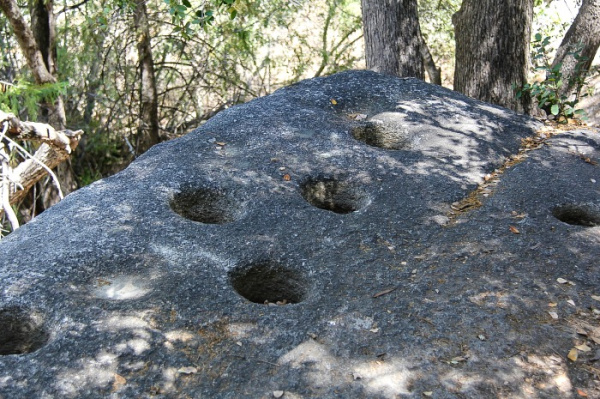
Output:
x=10 y=213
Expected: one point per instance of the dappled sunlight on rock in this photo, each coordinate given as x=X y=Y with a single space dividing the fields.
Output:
x=321 y=368
x=87 y=375
x=388 y=379
x=122 y=288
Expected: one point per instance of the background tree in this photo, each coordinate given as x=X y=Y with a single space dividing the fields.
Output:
x=393 y=41
x=492 y=50
x=147 y=132
x=578 y=48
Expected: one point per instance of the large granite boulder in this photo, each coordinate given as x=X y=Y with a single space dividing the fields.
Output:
x=330 y=240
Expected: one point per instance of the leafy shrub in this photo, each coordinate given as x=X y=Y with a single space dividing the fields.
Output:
x=548 y=93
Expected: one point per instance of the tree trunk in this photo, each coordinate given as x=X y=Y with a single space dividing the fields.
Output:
x=147 y=134
x=492 y=50
x=26 y=39
x=43 y=25
x=583 y=35
x=434 y=73
x=393 y=37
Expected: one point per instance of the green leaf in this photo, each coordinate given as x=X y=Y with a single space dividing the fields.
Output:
x=555 y=109
x=186 y=3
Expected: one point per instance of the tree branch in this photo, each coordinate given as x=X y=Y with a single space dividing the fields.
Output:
x=66 y=140
x=26 y=40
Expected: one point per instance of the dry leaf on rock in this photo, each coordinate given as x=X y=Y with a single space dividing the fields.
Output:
x=572 y=355
x=380 y=293
x=583 y=348
x=333 y=101
x=596 y=297
x=561 y=280
x=581 y=393
x=554 y=315
x=514 y=230
x=357 y=117
x=118 y=382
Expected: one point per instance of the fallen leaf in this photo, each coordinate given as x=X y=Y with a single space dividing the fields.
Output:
x=428 y=393
x=287 y=177
x=222 y=144
x=374 y=330
x=514 y=230
x=102 y=282
x=561 y=280
x=571 y=302
x=552 y=304
x=554 y=315
x=380 y=293
x=572 y=355
x=583 y=348
x=581 y=331
x=333 y=101
x=596 y=297
x=118 y=382
x=358 y=117
x=581 y=393
x=458 y=359
x=188 y=370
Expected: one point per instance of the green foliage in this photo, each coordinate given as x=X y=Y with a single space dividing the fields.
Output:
x=187 y=16
x=548 y=92
x=27 y=96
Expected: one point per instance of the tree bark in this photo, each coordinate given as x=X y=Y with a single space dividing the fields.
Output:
x=583 y=35
x=147 y=134
x=492 y=50
x=393 y=37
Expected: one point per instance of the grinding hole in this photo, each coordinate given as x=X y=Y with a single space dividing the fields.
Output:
x=20 y=331
x=334 y=195
x=268 y=283
x=579 y=215
x=385 y=130
x=207 y=205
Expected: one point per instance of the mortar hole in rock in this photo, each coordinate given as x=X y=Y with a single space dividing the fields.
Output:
x=270 y=284
x=579 y=215
x=21 y=331
x=334 y=195
x=207 y=205
x=386 y=133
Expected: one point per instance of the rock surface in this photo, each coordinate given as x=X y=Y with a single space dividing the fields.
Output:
x=303 y=245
